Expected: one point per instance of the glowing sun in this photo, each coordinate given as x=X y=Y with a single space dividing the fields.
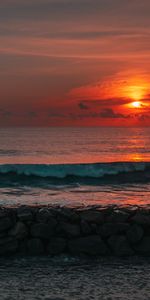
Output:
x=136 y=104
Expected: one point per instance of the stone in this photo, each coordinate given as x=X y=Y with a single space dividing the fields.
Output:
x=56 y=246
x=35 y=246
x=6 y=240
x=108 y=229
x=144 y=246
x=68 y=229
x=5 y=224
x=85 y=228
x=90 y=245
x=3 y=213
x=92 y=216
x=8 y=246
x=135 y=233
x=23 y=249
x=118 y=216
x=24 y=213
x=41 y=230
x=19 y=231
x=52 y=223
x=67 y=214
x=120 y=245
x=141 y=218
x=43 y=215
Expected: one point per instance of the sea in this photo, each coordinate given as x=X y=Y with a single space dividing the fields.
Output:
x=75 y=166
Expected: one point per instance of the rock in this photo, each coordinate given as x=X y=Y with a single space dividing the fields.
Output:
x=94 y=228
x=120 y=246
x=141 y=218
x=42 y=230
x=43 y=215
x=144 y=246
x=135 y=233
x=108 y=229
x=24 y=213
x=8 y=246
x=85 y=228
x=19 y=231
x=3 y=234
x=91 y=245
x=118 y=216
x=68 y=229
x=35 y=246
x=4 y=213
x=92 y=216
x=5 y=224
x=52 y=223
x=23 y=249
x=67 y=214
x=56 y=246
x=5 y=240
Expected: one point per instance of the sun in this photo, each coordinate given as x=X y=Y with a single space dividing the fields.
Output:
x=136 y=104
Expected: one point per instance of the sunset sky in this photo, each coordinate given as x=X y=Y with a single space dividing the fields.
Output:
x=74 y=63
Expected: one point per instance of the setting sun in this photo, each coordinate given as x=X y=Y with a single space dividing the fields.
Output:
x=136 y=104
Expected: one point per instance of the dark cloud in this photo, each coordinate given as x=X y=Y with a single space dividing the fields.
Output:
x=83 y=105
x=105 y=113
x=109 y=113
x=105 y=102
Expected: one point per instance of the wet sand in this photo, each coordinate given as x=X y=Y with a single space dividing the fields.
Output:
x=67 y=278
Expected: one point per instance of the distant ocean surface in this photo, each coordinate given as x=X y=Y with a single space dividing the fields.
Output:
x=75 y=166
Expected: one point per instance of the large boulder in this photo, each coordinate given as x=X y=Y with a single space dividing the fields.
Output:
x=68 y=229
x=90 y=245
x=144 y=246
x=56 y=245
x=67 y=214
x=92 y=216
x=118 y=216
x=120 y=245
x=85 y=228
x=4 y=212
x=8 y=245
x=24 y=213
x=19 y=231
x=43 y=215
x=35 y=246
x=108 y=229
x=135 y=233
x=141 y=218
x=42 y=230
x=5 y=224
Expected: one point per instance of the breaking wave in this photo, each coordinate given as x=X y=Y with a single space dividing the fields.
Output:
x=134 y=170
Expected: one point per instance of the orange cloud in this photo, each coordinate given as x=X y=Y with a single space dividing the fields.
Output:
x=125 y=85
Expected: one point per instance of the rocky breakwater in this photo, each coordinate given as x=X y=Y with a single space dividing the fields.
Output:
x=92 y=231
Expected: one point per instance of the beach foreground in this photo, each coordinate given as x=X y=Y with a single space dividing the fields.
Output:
x=65 y=278
x=92 y=231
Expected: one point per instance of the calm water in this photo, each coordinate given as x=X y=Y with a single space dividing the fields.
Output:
x=44 y=147
x=74 y=145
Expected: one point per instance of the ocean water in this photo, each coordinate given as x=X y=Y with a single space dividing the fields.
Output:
x=75 y=166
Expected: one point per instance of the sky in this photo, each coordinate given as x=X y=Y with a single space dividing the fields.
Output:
x=74 y=63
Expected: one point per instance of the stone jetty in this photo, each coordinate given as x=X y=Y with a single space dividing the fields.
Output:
x=92 y=231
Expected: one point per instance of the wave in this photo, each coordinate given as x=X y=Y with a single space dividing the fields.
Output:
x=80 y=171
